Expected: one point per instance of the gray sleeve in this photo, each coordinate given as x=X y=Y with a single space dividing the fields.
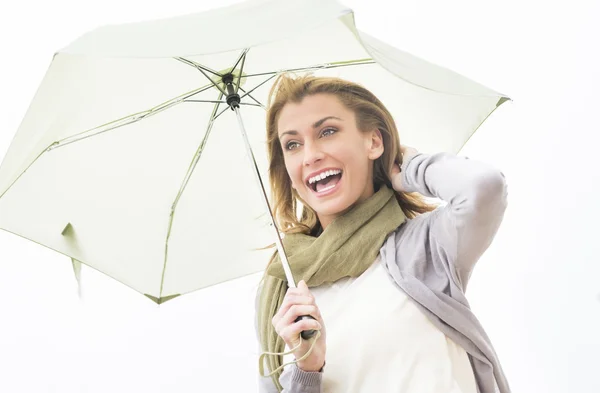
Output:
x=293 y=379
x=476 y=196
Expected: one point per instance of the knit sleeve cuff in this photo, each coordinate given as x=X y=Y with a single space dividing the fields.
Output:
x=406 y=161
x=306 y=378
x=404 y=169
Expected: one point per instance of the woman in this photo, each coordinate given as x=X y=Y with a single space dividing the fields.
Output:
x=387 y=272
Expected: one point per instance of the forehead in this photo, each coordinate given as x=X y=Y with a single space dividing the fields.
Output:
x=300 y=116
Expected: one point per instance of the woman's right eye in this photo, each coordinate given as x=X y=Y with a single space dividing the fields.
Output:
x=291 y=145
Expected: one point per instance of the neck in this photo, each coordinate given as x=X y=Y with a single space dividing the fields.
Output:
x=368 y=192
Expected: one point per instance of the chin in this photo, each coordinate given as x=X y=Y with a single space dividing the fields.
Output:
x=334 y=205
x=333 y=208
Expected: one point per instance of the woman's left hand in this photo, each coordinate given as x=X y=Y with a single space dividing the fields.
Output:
x=396 y=177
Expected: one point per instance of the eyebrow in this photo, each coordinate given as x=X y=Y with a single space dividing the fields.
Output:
x=315 y=125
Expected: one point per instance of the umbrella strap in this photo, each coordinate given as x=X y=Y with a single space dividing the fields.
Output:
x=307 y=354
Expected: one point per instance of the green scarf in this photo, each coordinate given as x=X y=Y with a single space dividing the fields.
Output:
x=346 y=248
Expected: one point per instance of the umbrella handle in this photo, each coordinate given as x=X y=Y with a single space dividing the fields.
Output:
x=306 y=334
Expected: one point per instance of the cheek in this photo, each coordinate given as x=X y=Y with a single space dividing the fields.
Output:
x=294 y=172
x=357 y=161
x=352 y=154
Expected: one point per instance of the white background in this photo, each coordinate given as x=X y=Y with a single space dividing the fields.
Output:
x=536 y=290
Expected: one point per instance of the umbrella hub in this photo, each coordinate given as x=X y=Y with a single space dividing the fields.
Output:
x=233 y=98
x=228 y=80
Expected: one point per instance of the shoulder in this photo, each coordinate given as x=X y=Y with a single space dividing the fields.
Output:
x=413 y=241
x=417 y=231
x=415 y=248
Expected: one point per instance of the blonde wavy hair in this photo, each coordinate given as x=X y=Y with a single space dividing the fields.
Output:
x=370 y=113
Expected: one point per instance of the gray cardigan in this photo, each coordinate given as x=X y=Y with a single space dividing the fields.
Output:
x=431 y=258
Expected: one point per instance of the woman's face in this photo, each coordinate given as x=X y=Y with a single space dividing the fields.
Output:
x=329 y=160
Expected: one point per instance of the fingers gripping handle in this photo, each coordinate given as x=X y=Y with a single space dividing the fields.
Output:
x=306 y=334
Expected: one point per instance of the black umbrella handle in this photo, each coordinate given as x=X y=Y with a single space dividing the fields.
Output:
x=306 y=334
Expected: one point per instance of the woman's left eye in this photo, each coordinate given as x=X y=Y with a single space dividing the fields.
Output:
x=328 y=131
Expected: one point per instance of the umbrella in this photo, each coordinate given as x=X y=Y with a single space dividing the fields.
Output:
x=143 y=152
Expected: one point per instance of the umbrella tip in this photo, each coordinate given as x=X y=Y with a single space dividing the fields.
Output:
x=161 y=300
x=502 y=100
x=68 y=230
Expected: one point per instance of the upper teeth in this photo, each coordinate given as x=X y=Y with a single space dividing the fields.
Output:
x=323 y=175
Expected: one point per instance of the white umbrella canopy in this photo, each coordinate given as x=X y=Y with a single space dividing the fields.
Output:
x=130 y=161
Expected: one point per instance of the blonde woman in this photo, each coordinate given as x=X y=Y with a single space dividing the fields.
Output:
x=381 y=273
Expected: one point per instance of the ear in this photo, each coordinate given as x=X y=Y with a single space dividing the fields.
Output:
x=375 y=144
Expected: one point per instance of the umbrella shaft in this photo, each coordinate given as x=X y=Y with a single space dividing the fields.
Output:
x=282 y=255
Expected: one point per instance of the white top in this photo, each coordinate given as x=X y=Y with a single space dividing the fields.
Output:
x=379 y=341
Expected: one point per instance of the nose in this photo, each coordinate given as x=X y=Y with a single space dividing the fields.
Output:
x=312 y=153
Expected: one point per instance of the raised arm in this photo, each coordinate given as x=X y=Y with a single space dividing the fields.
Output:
x=476 y=196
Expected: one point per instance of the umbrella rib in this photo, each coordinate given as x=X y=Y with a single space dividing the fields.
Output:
x=336 y=64
x=202 y=69
x=208 y=101
x=249 y=95
x=126 y=120
x=252 y=104
x=259 y=85
x=25 y=170
x=198 y=66
x=239 y=78
x=224 y=102
x=186 y=180
x=220 y=113
x=242 y=58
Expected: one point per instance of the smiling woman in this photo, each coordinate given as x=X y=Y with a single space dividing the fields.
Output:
x=363 y=227
x=335 y=135
x=312 y=118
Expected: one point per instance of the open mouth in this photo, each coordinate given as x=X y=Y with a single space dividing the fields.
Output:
x=325 y=181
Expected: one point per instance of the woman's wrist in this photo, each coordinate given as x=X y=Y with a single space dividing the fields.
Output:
x=312 y=368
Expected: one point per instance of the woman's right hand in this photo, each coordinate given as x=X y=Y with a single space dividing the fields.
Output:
x=297 y=302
